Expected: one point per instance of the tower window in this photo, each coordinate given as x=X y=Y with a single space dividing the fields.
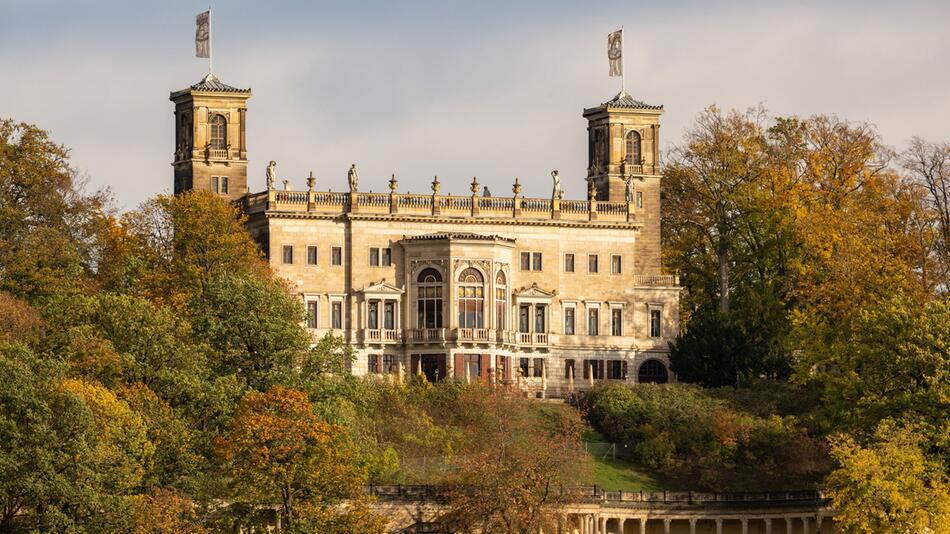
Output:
x=219 y=132
x=633 y=148
x=224 y=185
x=655 y=323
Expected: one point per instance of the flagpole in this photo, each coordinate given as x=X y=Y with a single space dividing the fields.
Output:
x=622 y=73
x=210 y=64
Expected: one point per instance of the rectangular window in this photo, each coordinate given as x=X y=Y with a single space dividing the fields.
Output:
x=615 y=369
x=592 y=263
x=389 y=315
x=372 y=315
x=523 y=365
x=312 y=311
x=372 y=363
x=569 y=321
x=387 y=258
x=536 y=261
x=569 y=263
x=525 y=261
x=616 y=264
x=311 y=255
x=474 y=365
x=540 y=312
x=336 y=315
x=593 y=322
x=336 y=256
x=288 y=254
x=569 y=370
x=389 y=364
x=616 y=321
x=214 y=184
x=524 y=318
x=655 y=327
x=639 y=199
x=374 y=257
x=224 y=185
x=538 y=367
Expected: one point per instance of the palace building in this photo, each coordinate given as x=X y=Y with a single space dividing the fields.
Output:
x=546 y=294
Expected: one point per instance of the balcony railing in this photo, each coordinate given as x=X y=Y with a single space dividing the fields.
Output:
x=474 y=334
x=425 y=335
x=658 y=280
x=533 y=338
x=385 y=335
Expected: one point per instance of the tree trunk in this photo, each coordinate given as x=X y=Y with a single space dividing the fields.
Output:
x=723 y=255
x=287 y=512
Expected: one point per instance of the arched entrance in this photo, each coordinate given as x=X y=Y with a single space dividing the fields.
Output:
x=653 y=371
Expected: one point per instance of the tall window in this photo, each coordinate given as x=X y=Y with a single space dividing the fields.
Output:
x=524 y=364
x=633 y=148
x=540 y=313
x=336 y=315
x=372 y=316
x=592 y=263
x=639 y=199
x=374 y=256
x=336 y=256
x=311 y=255
x=569 y=263
x=288 y=254
x=524 y=318
x=471 y=299
x=224 y=185
x=569 y=321
x=387 y=257
x=214 y=184
x=525 y=261
x=538 y=367
x=389 y=315
x=616 y=321
x=616 y=264
x=569 y=370
x=501 y=301
x=593 y=322
x=429 y=300
x=655 y=324
x=219 y=132
x=312 y=310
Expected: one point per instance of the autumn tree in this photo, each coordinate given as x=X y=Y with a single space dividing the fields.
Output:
x=888 y=485
x=279 y=453
x=929 y=165
x=515 y=465
x=48 y=222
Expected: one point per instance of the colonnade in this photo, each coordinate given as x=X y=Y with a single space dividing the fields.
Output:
x=601 y=523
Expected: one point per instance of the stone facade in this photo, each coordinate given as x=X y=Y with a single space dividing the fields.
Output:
x=544 y=294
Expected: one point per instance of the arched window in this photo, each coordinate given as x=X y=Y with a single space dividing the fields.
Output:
x=653 y=372
x=471 y=299
x=633 y=148
x=429 y=298
x=501 y=301
x=219 y=132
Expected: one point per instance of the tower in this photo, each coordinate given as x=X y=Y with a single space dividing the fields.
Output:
x=624 y=145
x=624 y=142
x=210 y=141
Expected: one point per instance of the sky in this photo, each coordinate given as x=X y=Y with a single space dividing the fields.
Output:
x=487 y=89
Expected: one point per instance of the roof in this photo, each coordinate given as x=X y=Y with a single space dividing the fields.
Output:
x=623 y=100
x=212 y=84
x=458 y=235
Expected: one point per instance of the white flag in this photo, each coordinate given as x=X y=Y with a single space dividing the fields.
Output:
x=615 y=52
x=203 y=35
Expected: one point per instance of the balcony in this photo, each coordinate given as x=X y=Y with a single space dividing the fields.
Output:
x=533 y=339
x=474 y=335
x=425 y=335
x=381 y=336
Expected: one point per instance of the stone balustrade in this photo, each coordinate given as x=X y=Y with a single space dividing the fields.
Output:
x=515 y=207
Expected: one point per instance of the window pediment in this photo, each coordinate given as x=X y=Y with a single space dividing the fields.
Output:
x=382 y=288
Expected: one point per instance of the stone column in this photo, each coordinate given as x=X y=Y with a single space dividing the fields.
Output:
x=666 y=526
x=620 y=523
x=805 y=524
x=745 y=526
x=768 y=525
x=643 y=525
x=692 y=526
x=789 y=524
x=602 y=525
x=719 y=526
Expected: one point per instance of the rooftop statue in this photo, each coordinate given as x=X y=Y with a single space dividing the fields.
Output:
x=271 y=174
x=353 y=178
x=558 y=193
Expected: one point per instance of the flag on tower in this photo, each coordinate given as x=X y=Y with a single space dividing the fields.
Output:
x=615 y=52
x=203 y=35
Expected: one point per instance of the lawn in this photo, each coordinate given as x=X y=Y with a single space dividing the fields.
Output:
x=620 y=475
